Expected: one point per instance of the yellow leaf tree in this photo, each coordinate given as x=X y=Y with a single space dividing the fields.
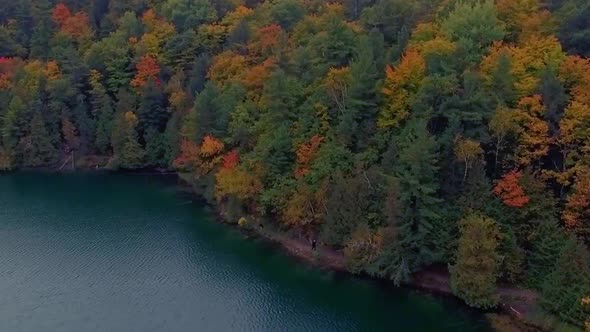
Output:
x=400 y=87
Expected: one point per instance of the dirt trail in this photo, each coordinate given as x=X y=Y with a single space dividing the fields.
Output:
x=322 y=256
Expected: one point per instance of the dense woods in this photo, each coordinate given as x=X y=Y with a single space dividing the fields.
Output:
x=406 y=133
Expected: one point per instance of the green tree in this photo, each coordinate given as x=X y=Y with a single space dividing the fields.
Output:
x=129 y=154
x=102 y=109
x=152 y=112
x=477 y=267
x=568 y=283
x=37 y=148
x=417 y=172
x=474 y=25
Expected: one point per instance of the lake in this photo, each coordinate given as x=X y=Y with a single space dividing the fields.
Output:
x=116 y=252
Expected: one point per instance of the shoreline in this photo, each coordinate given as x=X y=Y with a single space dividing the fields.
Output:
x=516 y=304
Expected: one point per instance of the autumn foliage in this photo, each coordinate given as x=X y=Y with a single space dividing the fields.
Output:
x=61 y=13
x=510 y=191
x=188 y=159
x=231 y=159
x=306 y=152
x=211 y=146
x=76 y=25
x=237 y=182
x=400 y=86
x=268 y=39
x=147 y=68
x=576 y=214
x=374 y=126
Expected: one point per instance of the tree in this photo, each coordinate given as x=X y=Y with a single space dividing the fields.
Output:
x=351 y=203
x=304 y=207
x=400 y=88
x=544 y=252
x=469 y=152
x=76 y=25
x=61 y=13
x=236 y=182
x=576 y=214
x=70 y=133
x=147 y=69
x=533 y=140
x=152 y=112
x=102 y=109
x=502 y=126
x=568 y=283
x=42 y=31
x=128 y=151
x=510 y=190
x=37 y=148
x=474 y=275
x=417 y=172
x=527 y=62
x=474 y=25
x=186 y=13
x=205 y=114
x=357 y=121
x=306 y=152
x=188 y=159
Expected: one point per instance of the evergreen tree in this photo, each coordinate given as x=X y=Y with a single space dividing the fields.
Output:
x=544 y=252
x=568 y=283
x=102 y=109
x=502 y=82
x=357 y=121
x=42 y=31
x=37 y=148
x=417 y=172
x=152 y=112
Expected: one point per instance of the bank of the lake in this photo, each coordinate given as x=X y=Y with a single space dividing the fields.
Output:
x=97 y=252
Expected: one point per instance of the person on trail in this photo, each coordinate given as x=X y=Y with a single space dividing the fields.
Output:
x=313 y=244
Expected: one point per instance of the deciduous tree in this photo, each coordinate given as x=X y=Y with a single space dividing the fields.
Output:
x=474 y=275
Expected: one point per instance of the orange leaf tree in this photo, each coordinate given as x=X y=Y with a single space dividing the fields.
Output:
x=400 y=87
x=510 y=191
x=188 y=159
x=576 y=214
x=231 y=159
x=534 y=133
x=306 y=153
x=147 y=68
x=60 y=14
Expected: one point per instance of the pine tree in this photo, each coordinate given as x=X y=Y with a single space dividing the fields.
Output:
x=568 y=283
x=152 y=112
x=417 y=172
x=544 y=252
x=102 y=109
x=356 y=123
x=42 y=31
x=37 y=147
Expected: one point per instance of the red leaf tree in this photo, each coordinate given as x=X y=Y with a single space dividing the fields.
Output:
x=510 y=191
x=147 y=68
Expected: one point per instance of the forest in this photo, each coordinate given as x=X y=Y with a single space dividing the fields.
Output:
x=407 y=134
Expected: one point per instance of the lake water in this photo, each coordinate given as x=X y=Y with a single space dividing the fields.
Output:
x=113 y=252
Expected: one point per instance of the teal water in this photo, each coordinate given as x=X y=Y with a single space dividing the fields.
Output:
x=104 y=252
